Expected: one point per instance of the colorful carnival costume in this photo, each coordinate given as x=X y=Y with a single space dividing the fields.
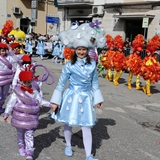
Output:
x=23 y=104
x=107 y=58
x=100 y=67
x=150 y=69
x=67 y=53
x=57 y=50
x=133 y=62
x=83 y=93
x=118 y=59
x=6 y=73
x=29 y=45
x=16 y=51
x=40 y=47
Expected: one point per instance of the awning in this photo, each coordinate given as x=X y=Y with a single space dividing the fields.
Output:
x=89 y=16
x=134 y=16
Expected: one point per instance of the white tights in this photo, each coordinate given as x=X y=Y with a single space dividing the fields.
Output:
x=87 y=138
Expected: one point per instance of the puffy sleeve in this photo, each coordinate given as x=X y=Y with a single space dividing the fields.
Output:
x=16 y=77
x=57 y=94
x=9 y=106
x=98 y=98
x=41 y=101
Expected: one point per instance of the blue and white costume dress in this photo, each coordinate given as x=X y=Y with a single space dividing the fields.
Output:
x=28 y=47
x=57 y=48
x=40 y=48
x=83 y=93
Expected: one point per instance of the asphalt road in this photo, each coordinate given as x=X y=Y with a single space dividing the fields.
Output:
x=128 y=126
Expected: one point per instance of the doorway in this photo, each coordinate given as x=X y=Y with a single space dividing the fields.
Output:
x=134 y=27
x=25 y=24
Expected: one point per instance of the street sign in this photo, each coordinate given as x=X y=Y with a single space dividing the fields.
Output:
x=34 y=4
x=145 y=22
x=53 y=20
x=33 y=13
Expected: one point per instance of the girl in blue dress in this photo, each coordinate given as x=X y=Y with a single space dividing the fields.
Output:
x=40 y=47
x=76 y=106
x=57 y=50
x=29 y=45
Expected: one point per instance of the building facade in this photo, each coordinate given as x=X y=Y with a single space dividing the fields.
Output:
x=125 y=17
x=23 y=17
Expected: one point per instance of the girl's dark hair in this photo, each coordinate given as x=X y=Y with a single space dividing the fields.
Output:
x=74 y=58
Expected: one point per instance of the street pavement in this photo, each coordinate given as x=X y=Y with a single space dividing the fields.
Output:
x=128 y=126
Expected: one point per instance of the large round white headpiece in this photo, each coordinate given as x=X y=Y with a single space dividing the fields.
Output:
x=88 y=35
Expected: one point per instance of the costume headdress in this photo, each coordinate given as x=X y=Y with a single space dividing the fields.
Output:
x=55 y=38
x=82 y=35
x=26 y=58
x=14 y=45
x=8 y=26
x=28 y=36
x=138 y=42
x=40 y=37
x=153 y=44
x=110 y=41
x=4 y=46
x=119 y=42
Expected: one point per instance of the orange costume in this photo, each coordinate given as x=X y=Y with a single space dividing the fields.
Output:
x=118 y=59
x=133 y=62
x=67 y=53
x=150 y=69
x=107 y=57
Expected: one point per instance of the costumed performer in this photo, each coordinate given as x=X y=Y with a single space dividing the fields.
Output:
x=40 y=47
x=100 y=67
x=107 y=58
x=133 y=61
x=57 y=50
x=16 y=47
x=29 y=45
x=118 y=59
x=150 y=69
x=76 y=106
x=23 y=104
x=6 y=73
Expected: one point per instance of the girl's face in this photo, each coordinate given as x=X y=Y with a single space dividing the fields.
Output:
x=17 y=50
x=3 y=52
x=148 y=53
x=138 y=52
x=81 y=52
x=120 y=49
x=26 y=84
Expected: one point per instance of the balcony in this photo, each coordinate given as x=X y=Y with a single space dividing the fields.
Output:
x=75 y=2
x=127 y=1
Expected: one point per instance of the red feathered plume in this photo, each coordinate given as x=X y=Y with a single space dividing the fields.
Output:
x=119 y=42
x=138 y=41
x=68 y=53
x=110 y=40
x=153 y=44
x=8 y=26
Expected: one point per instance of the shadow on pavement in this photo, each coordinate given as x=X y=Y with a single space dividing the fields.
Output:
x=45 y=140
x=99 y=133
x=44 y=122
